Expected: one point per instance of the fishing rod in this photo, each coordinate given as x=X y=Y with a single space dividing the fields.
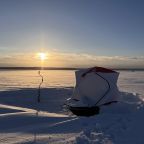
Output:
x=39 y=89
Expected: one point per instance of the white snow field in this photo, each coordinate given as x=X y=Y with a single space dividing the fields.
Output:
x=24 y=121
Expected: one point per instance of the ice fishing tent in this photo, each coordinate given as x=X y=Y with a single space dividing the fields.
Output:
x=94 y=87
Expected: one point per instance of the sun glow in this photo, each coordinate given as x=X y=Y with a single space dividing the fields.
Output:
x=42 y=56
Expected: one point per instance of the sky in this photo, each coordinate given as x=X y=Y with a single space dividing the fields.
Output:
x=73 y=33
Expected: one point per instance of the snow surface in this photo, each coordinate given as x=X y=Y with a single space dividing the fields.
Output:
x=24 y=121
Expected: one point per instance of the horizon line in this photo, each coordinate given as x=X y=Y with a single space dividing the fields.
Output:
x=59 y=68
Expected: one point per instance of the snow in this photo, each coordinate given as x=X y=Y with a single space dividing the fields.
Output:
x=24 y=121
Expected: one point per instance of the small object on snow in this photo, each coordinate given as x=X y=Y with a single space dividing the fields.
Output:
x=84 y=111
x=94 y=87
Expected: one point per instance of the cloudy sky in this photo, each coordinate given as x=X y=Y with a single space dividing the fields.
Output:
x=73 y=33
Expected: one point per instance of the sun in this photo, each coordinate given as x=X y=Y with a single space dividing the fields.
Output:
x=42 y=56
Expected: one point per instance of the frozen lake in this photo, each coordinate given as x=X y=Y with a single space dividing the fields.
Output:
x=23 y=120
x=131 y=81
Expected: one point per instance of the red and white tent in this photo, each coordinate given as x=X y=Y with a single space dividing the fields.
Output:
x=95 y=87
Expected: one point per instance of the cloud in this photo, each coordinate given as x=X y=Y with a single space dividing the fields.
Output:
x=60 y=59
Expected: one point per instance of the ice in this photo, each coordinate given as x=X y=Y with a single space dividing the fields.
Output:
x=23 y=120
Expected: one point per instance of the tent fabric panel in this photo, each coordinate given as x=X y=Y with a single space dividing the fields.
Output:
x=90 y=89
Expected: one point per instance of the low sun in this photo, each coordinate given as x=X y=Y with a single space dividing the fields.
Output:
x=42 y=56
